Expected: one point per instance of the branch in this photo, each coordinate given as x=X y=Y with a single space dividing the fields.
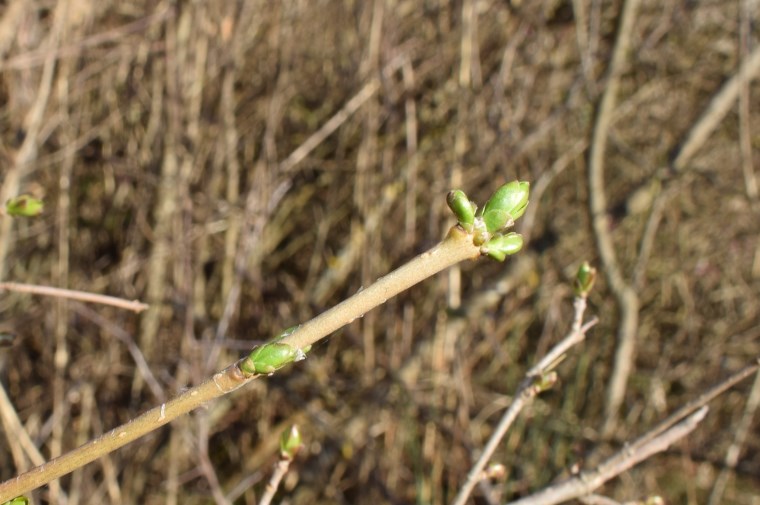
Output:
x=675 y=426
x=586 y=482
x=457 y=246
x=626 y=296
x=82 y=296
x=527 y=390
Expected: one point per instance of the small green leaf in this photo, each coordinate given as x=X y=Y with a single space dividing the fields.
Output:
x=506 y=205
x=24 y=205
x=462 y=208
x=501 y=246
x=497 y=220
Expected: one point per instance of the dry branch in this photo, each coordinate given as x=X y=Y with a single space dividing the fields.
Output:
x=586 y=482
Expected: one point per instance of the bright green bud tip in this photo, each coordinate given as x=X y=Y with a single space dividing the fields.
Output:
x=19 y=500
x=584 y=279
x=506 y=206
x=501 y=246
x=290 y=443
x=462 y=208
x=545 y=381
x=24 y=205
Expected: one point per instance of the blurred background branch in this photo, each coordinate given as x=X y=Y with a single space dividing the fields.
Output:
x=163 y=133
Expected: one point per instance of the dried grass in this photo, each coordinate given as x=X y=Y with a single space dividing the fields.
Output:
x=165 y=148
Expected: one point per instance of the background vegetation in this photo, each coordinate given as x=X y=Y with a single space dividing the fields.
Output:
x=174 y=144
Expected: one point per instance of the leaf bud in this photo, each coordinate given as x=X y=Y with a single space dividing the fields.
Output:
x=501 y=246
x=462 y=207
x=506 y=205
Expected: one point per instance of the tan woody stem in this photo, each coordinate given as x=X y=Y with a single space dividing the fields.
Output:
x=456 y=247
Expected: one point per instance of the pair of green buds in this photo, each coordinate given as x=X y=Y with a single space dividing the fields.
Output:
x=500 y=212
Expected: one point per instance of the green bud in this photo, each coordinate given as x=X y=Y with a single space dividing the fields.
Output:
x=545 y=381
x=584 y=279
x=506 y=205
x=496 y=471
x=19 y=500
x=270 y=357
x=267 y=358
x=290 y=443
x=462 y=208
x=501 y=246
x=24 y=205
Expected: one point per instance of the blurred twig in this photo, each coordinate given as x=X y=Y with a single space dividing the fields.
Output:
x=675 y=426
x=352 y=105
x=716 y=110
x=290 y=445
x=624 y=293
x=19 y=441
x=125 y=338
x=745 y=125
x=700 y=401
x=38 y=57
x=33 y=123
x=71 y=294
x=740 y=437
x=524 y=394
x=638 y=451
x=712 y=115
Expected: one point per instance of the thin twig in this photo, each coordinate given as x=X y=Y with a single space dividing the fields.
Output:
x=716 y=110
x=525 y=393
x=697 y=135
x=82 y=296
x=745 y=125
x=708 y=121
x=19 y=441
x=701 y=400
x=27 y=153
x=280 y=470
x=340 y=117
x=206 y=467
x=740 y=437
x=39 y=56
x=411 y=129
x=624 y=293
x=125 y=338
x=586 y=482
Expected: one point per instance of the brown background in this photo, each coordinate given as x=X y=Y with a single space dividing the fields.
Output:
x=172 y=144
